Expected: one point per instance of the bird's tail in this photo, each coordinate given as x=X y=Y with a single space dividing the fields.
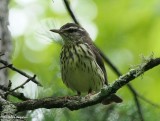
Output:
x=111 y=99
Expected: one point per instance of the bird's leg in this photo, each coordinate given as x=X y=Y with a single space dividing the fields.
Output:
x=78 y=93
x=90 y=93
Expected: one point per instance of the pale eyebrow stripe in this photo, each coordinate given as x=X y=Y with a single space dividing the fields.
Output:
x=74 y=28
x=81 y=29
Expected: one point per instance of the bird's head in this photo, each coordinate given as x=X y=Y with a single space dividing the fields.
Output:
x=71 y=32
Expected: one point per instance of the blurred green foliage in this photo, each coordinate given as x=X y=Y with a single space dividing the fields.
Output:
x=124 y=29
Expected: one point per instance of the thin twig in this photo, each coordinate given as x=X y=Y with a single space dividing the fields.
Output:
x=20 y=96
x=134 y=93
x=3 y=88
x=5 y=66
x=148 y=101
x=145 y=99
x=19 y=71
x=15 y=94
x=20 y=86
x=70 y=12
x=9 y=84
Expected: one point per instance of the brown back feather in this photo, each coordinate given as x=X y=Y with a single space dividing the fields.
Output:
x=98 y=57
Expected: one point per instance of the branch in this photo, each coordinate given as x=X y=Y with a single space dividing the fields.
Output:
x=148 y=101
x=8 y=111
x=136 y=95
x=5 y=40
x=5 y=66
x=11 y=92
x=20 y=86
x=75 y=103
x=70 y=12
x=19 y=71
x=15 y=94
x=20 y=96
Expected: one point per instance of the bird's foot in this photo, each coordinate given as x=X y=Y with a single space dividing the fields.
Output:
x=90 y=94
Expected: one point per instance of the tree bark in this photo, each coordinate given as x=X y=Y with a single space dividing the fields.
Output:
x=8 y=110
x=5 y=41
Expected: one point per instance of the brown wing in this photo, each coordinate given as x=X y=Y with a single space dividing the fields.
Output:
x=113 y=97
x=87 y=39
x=98 y=57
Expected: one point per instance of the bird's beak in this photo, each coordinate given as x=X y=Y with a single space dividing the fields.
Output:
x=55 y=31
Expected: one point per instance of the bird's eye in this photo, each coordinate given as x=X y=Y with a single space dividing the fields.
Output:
x=71 y=30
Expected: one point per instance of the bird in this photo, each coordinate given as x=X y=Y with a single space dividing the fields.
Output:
x=82 y=67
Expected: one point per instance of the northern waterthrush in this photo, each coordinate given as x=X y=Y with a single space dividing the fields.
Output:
x=82 y=67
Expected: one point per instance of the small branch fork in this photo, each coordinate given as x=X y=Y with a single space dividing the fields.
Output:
x=75 y=103
x=12 y=92
x=6 y=65
x=21 y=86
x=15 y=94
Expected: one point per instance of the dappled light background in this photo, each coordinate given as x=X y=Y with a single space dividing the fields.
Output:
x=125 y=30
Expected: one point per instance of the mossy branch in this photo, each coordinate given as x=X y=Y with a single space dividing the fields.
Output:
x=75 y=102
